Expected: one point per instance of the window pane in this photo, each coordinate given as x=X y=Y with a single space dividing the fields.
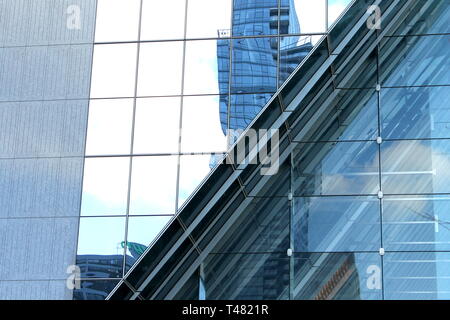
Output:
x=160 y=68
x=309 y=14
x=109 y=128
x=113 y=70
x=413 y=113
x=157 y=125
x=337 y=276
x=201 y=126
x=423 y=60
x=415 y=166
x=254 y=65
x=100 y=254
x=201 y=66
x=117 y=20
x=201 y=25
x=412 y=223
x=141 y=232
x=247 y=277
x=153 y=185
x=335 y=9
x=163 y=19
x=244 y=108
x=332 y=224
x=251 y=18
x=292 y=51
x=94 y=289
x=105 y=186
x=193 y=169
x=336 y=168
x=416 y=275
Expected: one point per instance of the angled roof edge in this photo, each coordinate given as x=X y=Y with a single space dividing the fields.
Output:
x=276 y=112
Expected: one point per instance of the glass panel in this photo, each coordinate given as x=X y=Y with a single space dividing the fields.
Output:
x=254 y=65
x=415 y=166
x=109 y=128
x=160 y=67
x=332 y=224
x=117 y=20
x=153 y=185
x=246 y=277
x=113 y=71
x=105 y=186
x=243 y=109
x=416 y=223
x=100 y=254
x=310 y=14
x=141 y=232
x=157 y=125
x=408 y=61
x=94 y=289
x=337 y=276
x=214 y=24
x=262 y=227
x=255 y=17
x=416 y=275
x=201 y=66
x=292 y=51
x=163 y=19
x=412 y=113
x=336 y=168
x=335 y=9
x=193 y=169
x=434 y=16
x=205 y=135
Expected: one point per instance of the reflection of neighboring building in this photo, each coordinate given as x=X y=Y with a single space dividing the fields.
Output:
x=104 y=267
x=255 y=61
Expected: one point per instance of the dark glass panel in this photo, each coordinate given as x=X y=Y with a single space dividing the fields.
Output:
x=94 y=289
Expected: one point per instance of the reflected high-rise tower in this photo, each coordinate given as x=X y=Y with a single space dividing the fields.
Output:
x=259 y=64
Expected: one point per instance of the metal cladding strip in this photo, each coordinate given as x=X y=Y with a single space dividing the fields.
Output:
x=222 y=190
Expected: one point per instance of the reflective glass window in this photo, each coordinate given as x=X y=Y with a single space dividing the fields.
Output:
x=113 y=70
x=153 y=185
x=331 y=224
x=160 y=68
x=251 y=18
x=416 y=223
x=254 y=65
x=415 y=166
x=243 y=109
x=205 y=62
x=163 y=19
x=193 y=169
x=100 y=254
x=157 y=125
x=105 y=186
x=310 y=15
x=214 y=24
x=141 y=233
x=201 y=126
x=336 y=168
x=109 y=126
x=337 y=276
x=94 y=289
x=416 y=275
x=335 y=9
x=292 y=51
x=117 y=20
x=415 y=112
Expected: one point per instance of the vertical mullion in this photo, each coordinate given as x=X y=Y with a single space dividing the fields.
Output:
x=130 y=171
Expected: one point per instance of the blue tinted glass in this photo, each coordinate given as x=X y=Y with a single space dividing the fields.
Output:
x=415 y=166
x=413 y=223
x=243 y=109
x=332 y=224
x=413 y=113
x=337 y=276
x=336 y=168
x=408 y=61
x=255 y=17
x=254 y=65
x=292 y=51
x=416 y=275
x=94 y=289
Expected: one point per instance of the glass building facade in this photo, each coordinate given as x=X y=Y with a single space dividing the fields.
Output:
x=358 y=207
x=111 y=114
